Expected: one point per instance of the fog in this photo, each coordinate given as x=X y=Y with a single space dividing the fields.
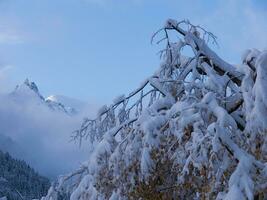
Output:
x=40 y=136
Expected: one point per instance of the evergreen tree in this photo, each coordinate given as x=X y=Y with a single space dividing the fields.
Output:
x=19 y=181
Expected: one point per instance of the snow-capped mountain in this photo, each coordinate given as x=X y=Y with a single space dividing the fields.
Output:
x=68 y=102
x=33 y=126
x=28 y=92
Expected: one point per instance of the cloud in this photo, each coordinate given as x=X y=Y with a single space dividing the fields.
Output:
x=10 y=33
x=9 y=37
x=4 y=69
x=42 y=136
x=5 y=81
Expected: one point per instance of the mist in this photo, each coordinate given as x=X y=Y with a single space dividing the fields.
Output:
x=41 y=137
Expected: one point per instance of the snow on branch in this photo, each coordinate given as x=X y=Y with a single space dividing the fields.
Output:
x=195 y=129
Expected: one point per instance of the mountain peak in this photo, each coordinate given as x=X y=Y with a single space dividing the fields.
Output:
x=27 y=89
x=31 y=85
x=26 y=82
x=29 y=92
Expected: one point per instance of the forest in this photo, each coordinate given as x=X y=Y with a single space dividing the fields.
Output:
x=19 y=181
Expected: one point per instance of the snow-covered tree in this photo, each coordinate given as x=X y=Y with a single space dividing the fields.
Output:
x=18 y=181
x=196 y=129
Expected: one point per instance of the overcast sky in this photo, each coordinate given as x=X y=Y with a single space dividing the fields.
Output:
x=97 y=49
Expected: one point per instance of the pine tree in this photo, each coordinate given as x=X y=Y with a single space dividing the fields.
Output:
x=19 y=181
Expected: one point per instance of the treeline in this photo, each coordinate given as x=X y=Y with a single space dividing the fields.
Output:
x=19 y=181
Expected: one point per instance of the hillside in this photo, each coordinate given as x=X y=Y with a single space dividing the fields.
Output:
x=18 y=180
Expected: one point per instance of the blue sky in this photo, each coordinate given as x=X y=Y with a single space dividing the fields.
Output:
x=95 y=50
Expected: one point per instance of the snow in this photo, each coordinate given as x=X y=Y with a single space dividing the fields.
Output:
x=203 y=130
x=119 y=99
x=28 y=93
x=68 y=102
x=32 y=128
x=102 y=110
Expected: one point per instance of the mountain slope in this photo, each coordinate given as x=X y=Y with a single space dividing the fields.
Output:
x=68 y=102
x=18 y=180
x=28 y=92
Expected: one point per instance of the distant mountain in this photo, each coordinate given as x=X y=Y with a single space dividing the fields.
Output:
x=28 y=92
x=33 y=127
x=19 y=181
x=68 y=102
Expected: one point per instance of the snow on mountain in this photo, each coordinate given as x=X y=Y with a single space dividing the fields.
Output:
x=39 y=130
x=68 y=102
x=28 y=92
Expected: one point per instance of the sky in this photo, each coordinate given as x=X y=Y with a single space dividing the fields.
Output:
x=95 y=50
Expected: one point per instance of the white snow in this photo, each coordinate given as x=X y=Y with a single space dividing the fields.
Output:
x=206 y=122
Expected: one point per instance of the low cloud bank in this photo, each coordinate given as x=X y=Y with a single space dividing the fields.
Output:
x=41 y=137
